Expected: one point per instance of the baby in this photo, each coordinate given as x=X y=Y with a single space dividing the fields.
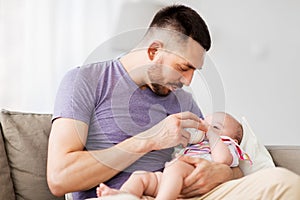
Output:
x=164 y=185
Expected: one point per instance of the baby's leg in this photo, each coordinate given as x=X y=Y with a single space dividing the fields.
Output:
x=172 y=179
x=142 y=182
x=139 y=183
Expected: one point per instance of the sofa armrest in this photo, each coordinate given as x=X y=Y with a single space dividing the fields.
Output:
x=286 y=156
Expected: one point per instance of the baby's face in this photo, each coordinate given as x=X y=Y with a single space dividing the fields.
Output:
x=222 y=124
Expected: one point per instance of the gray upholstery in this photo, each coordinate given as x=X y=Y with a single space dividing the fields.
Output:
x=286 y=156
x=6 y=185
x=25 y=138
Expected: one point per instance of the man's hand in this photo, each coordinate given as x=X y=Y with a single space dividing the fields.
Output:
x=206 y=176
x=171 y=131
x=203 y=125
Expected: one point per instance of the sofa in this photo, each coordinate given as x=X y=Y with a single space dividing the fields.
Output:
x=23 y=156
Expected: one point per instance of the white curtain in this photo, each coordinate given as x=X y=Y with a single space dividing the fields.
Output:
x=41 y=39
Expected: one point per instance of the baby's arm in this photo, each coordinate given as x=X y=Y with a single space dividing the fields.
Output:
x=219 y=150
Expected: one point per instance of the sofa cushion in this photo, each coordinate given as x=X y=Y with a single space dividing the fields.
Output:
x=286 y=156
x=26 y=143
x=6 y=189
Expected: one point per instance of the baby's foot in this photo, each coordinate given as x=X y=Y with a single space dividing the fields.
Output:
x=104 y=190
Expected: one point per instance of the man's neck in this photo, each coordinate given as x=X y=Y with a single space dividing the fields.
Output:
x=136 y=64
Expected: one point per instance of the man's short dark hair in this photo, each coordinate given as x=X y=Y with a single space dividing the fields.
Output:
x=184 y=20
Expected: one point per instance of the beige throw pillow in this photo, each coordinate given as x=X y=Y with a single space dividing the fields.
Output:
x=26 y=142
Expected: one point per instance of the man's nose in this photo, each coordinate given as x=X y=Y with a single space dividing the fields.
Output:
x=187 y=77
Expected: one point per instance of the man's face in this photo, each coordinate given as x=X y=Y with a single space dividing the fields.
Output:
x=172 y=70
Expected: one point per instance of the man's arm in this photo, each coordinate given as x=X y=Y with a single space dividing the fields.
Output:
x=206 y=176
x=70 y=168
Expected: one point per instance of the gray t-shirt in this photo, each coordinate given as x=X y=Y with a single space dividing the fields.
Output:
x=104 y=96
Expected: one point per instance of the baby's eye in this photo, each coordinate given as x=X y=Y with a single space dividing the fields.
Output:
x=216 y=127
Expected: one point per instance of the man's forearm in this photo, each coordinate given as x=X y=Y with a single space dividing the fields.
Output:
x=81 y=170
x=237 y=173
x=72 y=169
x=230 y=173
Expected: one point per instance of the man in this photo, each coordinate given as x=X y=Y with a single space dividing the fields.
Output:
x=115 y=117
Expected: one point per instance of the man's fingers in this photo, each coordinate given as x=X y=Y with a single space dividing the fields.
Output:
x=190 y=160
x=187 y=192
x=191 y=179
x=189 y=123
x=203 y=125
x=185 y=134
x=187 y=115
x=198 y=163
x=184 y=141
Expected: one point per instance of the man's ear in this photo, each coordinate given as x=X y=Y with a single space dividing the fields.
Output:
x=153 y=49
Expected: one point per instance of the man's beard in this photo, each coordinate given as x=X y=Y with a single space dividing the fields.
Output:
x=159 y=89
x=156 y=82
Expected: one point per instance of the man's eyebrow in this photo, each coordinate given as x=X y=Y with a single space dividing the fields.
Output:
x=189 y=65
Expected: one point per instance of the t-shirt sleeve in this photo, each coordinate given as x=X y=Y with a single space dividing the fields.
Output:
x=235 y=157
x=195 y=109
x=75 y=98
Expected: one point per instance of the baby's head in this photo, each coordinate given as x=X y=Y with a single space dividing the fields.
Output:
x=225 y=124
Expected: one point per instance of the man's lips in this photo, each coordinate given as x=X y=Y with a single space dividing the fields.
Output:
x=173 y=87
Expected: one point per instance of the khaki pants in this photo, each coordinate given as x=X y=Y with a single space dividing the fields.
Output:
x=268 y=184
x=273 y=184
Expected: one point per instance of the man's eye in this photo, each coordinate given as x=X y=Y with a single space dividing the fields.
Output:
x=184 y=69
